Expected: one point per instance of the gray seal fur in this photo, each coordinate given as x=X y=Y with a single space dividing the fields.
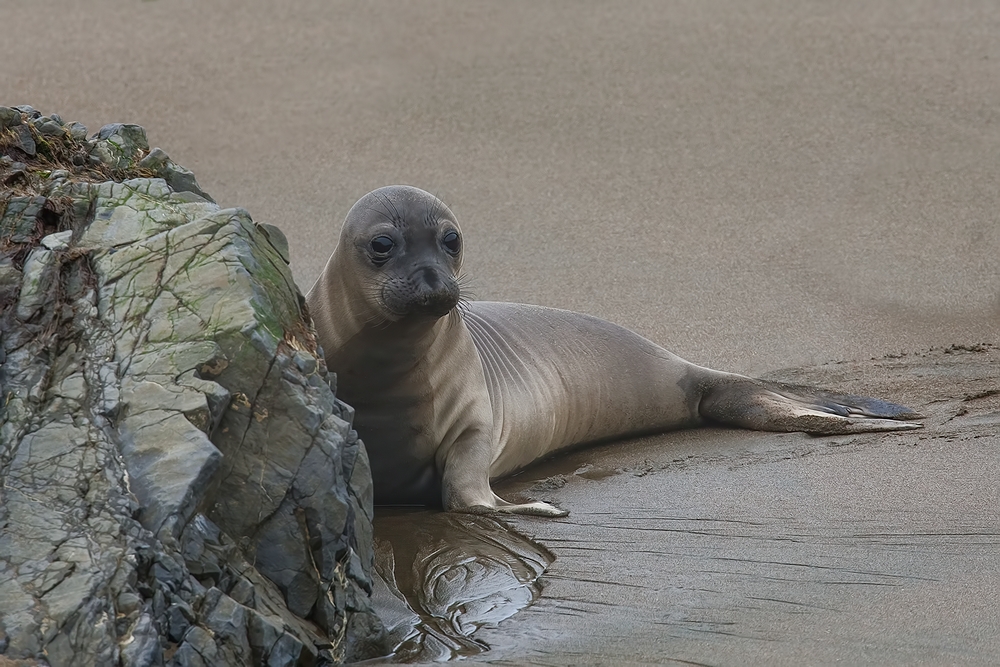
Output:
x=450 y=394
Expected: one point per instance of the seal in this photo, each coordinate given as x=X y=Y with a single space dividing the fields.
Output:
x=450 y=394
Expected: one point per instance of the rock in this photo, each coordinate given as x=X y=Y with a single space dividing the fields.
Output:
x=120 y=146
x=29 y=111
x=20 y=219
x=24 y=140
x=178 y=483
x=58 y=175
x=10 y=279
x=58 y=241
x=277 y=239
x=142 y=647
x=37 y=282
x=9 y=117
x=77 y=131
x=176 y=176
x=49 y=127
x=180 y=616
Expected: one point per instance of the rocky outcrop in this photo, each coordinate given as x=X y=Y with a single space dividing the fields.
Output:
x=179 y=484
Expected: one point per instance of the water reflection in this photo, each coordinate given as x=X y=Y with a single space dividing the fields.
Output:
x=440 y=576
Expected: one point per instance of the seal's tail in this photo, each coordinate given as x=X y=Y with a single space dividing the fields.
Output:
x=773 y=406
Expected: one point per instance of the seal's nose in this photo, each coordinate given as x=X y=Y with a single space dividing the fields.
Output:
x=431 y=278
x=436 y=292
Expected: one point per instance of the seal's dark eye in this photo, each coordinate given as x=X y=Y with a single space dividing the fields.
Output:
x=382 y=245
x=452 y=242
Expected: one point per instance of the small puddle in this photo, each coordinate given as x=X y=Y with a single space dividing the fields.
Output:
x=441 y=576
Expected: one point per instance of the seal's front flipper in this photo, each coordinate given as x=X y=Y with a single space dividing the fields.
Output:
x=465 y=483
x=772 y=406
x=537 y=508
x=476 y=497
x=498 y=504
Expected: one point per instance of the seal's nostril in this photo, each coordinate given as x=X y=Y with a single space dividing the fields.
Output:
x=431 y=278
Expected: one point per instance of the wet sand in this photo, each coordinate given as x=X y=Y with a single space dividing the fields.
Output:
x=754 y=185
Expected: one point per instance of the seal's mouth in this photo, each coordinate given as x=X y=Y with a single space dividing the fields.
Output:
x=437 y=307
x=430 y=309
x=426 y=293
x=434 y=303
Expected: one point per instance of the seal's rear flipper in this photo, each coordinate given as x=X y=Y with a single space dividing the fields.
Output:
x=772 y=406
x=845 y=405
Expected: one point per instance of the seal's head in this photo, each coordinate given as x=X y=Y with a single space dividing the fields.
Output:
x=406 y=248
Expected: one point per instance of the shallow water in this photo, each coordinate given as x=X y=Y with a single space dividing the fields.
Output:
x=440 y=577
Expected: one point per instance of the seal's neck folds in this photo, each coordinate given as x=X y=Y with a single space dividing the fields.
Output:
x=337 y=320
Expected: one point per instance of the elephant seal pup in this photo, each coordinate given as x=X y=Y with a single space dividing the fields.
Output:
x=451 y=394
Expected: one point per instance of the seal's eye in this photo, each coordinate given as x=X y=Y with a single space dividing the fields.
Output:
x=382 y=245
x=452 y=242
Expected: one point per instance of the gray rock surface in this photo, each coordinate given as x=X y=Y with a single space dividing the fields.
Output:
x=178 y=483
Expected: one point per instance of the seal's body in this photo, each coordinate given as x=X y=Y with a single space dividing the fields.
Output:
x=450 y=394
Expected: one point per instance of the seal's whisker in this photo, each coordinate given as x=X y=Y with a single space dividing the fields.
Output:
x=376 y=321
x=395 y=211
x=437 y=209
x=465 y=284
x=387 y=217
